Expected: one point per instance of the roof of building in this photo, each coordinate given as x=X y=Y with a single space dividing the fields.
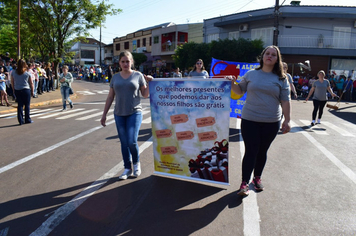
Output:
x=287 y=11
x=156 y=26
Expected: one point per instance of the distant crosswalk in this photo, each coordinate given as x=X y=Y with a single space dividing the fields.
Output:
x=342 y=128
x=79 y=114
x=327 y=128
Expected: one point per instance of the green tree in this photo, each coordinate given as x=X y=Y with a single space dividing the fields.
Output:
x=241 y=50
x=186 y=55
x=53 y=22
x=139 y=58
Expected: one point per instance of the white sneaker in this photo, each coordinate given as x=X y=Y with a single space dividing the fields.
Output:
x=137 y=169
x=127 y=173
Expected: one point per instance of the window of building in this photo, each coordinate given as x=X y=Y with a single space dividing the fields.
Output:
x=212 y=37
x=87 y=54
x=156 y=39
x=138 y=43
x=266 y=34
x=150 y=41
x=342 y=37
x=127 y=45
x=144 y=42
x=117 y=47
x=181 y=38
x=234 y=35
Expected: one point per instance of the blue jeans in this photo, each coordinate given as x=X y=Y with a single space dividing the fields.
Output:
x=35 y=86
x=65 y=96
x=44 y=85
x=23 y=99
x=128 y=128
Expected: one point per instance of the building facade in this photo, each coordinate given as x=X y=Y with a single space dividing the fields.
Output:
x=324 y=35
x=87 y=52
x=158 y=44
x=108 y=54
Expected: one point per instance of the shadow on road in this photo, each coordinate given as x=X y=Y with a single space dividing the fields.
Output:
x=147 y=206
x=344 y=114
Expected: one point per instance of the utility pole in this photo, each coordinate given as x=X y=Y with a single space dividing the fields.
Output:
x=276 y=23
x=100 y=47
x=18 y=30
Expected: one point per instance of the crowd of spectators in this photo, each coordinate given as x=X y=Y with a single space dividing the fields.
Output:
x=344 y=87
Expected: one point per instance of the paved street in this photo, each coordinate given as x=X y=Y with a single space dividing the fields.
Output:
x=59 y=176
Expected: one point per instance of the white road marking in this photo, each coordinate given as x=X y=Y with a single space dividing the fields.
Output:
x=61 y=213
x=33 y=113
x=92 y=115
x=314 y=128
x=75 y=114
x=251 y=213
x=8 y=114
x=36 y=111
x=147 y=121
x=337 y=129
x=350 y=125
x=144 y=112
x=347 y=171
x=61 y=113
x=85 y=92
x=33 y=156
x=41 y=114
x=110 y=117
x=14 y=114
x=101 y=91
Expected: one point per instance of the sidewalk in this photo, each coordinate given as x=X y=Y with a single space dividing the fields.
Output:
x=52 y=97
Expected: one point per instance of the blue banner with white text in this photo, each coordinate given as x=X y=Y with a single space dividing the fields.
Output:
x=220 y=69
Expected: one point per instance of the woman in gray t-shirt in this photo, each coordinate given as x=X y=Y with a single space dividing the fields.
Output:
x=125 y=88
x=320 y=98
x=199 y=70
x=23 y=89
x=268 y=97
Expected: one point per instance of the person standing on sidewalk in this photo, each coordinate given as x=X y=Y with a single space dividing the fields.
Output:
x=45 y=78
x=23 y=88
x=348 y=89
x=110 y=74
x=3 y=88
x=30 y=70
x=320 y=97
x=125 y=88
x=291 y=84
x=49 y=85
x=40 y=81
x=35 y=83
x=268 y=97
x=65 y=80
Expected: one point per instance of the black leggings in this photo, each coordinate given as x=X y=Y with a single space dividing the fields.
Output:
x=258 y=137
x=318 y=105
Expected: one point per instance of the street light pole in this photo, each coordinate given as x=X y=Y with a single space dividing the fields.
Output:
x=18 y=30
x=276 y=23
x=100 y=46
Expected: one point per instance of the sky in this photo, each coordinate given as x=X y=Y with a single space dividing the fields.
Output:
x=140 y=14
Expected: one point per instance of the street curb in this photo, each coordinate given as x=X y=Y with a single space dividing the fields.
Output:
x=38 y=104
